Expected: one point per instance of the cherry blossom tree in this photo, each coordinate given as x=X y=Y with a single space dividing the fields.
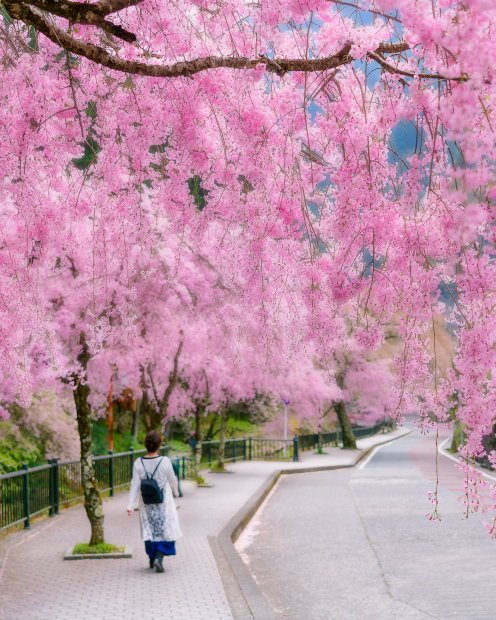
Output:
x=344 y=149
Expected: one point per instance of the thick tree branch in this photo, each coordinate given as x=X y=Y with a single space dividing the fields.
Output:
x=99 y=55
x=79 y=13
x=107 y=7
x=154 y=388
x=173 y=378
x=161 y=403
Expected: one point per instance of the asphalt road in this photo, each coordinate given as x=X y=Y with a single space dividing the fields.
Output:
x=356 y=544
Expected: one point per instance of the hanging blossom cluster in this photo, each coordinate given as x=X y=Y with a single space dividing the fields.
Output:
x=336 y=159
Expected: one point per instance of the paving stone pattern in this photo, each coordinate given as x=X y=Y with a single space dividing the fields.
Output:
x=36 y=584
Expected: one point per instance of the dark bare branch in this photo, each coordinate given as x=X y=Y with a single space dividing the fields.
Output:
x=367 y=10
x=173 y=377
x=79 y=13
x=101 y=56
x=397 y=71
x=154 y=387
x=392 y=48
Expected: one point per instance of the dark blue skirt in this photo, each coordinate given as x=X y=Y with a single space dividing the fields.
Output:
x=167 y=547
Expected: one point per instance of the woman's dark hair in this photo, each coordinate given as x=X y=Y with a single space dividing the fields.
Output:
x=153 y=441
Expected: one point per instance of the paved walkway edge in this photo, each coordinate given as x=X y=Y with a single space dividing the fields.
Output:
x=243 y=594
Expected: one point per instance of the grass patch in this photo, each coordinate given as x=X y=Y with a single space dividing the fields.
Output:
x=219 y=469
x=84 y=548
x=176 y=445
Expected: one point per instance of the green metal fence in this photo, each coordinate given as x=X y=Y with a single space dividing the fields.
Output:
x=44 y=489
x=24 y=494
x=248 y=449
x=311 y=441
x=368 y=431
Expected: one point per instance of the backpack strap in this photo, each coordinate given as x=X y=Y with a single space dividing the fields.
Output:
x=154 y=471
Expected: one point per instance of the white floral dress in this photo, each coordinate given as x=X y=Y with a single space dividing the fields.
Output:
x=159 y=522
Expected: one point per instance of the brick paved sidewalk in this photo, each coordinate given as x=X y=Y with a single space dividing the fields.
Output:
x=36 y=584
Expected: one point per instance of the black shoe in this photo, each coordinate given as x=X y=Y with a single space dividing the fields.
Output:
x=152 y=562
x=158 y=562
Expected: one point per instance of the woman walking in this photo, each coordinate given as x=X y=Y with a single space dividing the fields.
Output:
x=158 y=516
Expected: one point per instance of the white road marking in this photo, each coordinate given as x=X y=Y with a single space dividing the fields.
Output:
x=454 y=458
x=251 y=531
x=366 y=461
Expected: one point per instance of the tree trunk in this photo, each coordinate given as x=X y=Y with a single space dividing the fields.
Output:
x=319 y=440
x=349 y=440
x=167 y=431
x=197 y=450
x=136 y=414
x=146 y=411
x=220 y=465
x=458 y=436
x=489 y=443
x=151 y=417
x=210 y=434
x=92 y=499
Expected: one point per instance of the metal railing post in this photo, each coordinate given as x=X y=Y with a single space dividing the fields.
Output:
x=295 y=449
x=209 y=453
x=51 y=490
x=111 y=473
x=234 y=451
x=25 y=496
x=56 y=486
x=250 y=450
x=244 y=449
x=176 y=466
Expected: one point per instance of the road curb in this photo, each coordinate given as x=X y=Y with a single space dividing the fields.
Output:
x=243 y=594
x=245 y=597
x=366 y=452
x=487 y=473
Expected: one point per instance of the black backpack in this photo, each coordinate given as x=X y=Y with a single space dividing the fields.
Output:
x=150 y=491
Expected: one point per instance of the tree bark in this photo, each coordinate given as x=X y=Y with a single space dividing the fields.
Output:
x=458 y=435
x=151 y=419
x=220 y=465
x=489 y=443
x=136 y=415
x=155 y=409
x=349 y=440
x=319 y=440
x=197 y=450
x=92 y=498
x=33 y=13
x=163 y=403
x=210 y=434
